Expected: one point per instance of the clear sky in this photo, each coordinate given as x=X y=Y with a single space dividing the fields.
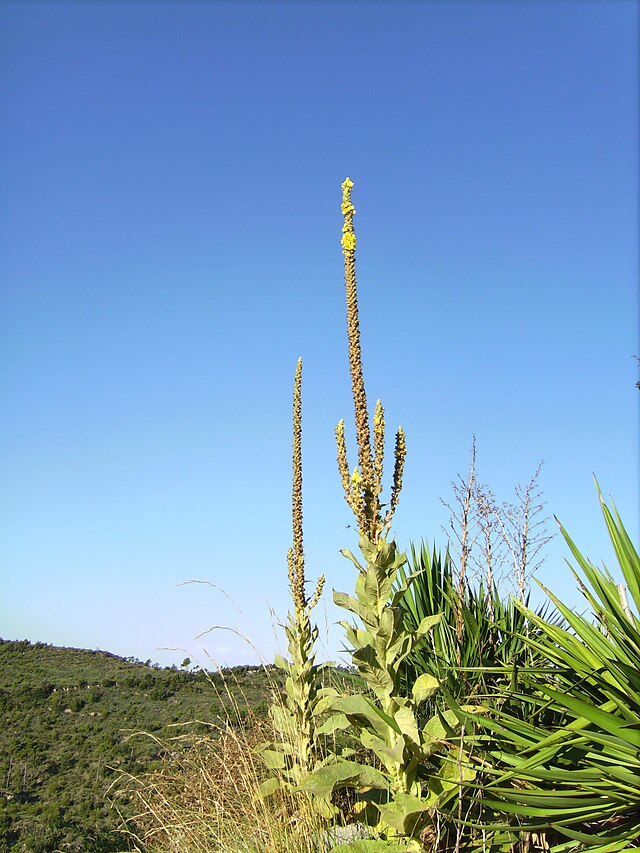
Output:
x=170 y=244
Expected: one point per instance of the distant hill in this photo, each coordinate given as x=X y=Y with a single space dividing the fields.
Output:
x=68 y=724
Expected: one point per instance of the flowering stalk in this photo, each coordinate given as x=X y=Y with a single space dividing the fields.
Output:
x=295 y=712
x=364 y=486
x=398 y=800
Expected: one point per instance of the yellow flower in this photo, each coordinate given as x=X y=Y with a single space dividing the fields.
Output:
x=347 y=185
x=355 y=477
x=348 y=241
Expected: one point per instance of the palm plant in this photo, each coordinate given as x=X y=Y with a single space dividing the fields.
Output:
x=480 y=641
x=577 y=782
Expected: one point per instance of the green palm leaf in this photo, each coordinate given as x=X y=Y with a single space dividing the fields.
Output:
x=581 y=777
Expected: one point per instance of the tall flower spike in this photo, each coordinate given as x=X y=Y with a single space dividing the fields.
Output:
x=296 y=561
x=378 y=448
x=353 y=328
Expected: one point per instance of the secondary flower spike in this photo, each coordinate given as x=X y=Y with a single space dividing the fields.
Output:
x=295 y=555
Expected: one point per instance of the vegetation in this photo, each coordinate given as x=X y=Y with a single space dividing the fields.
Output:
x=296 y=710
x=577 y=782
x=416 y=773
x=469 y=722
x=71 y=724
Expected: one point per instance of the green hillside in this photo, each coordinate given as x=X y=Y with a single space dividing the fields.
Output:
x=69 y=724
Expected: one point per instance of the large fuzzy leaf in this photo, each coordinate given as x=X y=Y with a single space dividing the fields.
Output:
x=424 y=687
x=325 y=780
x=405 y=811
x=348 y=602
x=358 y=707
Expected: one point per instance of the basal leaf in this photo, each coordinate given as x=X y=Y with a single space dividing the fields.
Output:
x=370 y=845
x=404 y=811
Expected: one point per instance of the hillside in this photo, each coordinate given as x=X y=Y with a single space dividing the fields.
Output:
x=69 y=724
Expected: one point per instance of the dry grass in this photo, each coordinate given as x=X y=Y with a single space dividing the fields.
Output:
x=205 y=798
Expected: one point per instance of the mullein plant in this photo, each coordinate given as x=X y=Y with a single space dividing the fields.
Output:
x=295 y=713
x=399 y=800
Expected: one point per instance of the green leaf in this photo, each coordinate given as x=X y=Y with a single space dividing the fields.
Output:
x=347 y=774
x=377 y=584
x=403 y=813
x=334 y=723
x=376 y=675
x=283 y=719
x=348 y=602
x=323 y=807
x=424 y=687
x=269 y=787
x=274 y=759
x=361 y=710
x=400 y=591
x=427 y=624
x=442 y=725
x=367 y=548
x=455 y=768
x=371 y=845
x=323 y=704
x=405 y=719
x=391 y=757
x=281 y=663
x=349 y=555
x=399 y=649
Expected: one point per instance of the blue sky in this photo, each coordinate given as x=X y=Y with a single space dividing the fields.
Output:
x=170 y=244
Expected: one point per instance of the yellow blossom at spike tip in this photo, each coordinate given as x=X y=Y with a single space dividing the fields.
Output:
x=355 y=477
x=348 y=236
